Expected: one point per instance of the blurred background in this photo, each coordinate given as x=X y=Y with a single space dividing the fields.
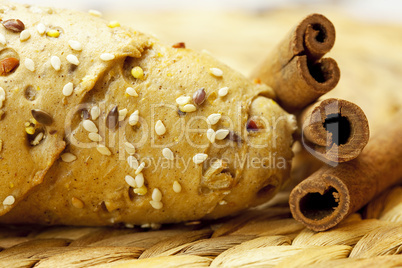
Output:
x=240 y=33
x=380 y=10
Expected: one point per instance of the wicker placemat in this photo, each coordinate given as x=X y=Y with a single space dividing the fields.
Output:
x=370 y=60
x=266 y=236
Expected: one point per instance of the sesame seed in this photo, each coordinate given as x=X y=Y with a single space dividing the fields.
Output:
x=77 y=202
x=222 y=202
x=53 y=33
x=73 y=59
x=56 y=62
x=132 y=162
x=1 y=145
x=168 y=154
x=107 y=57
x=75 y=45
x=114 y=24
x=156 y=204
x=214 y=118
x=129 y=225
x=140 y=168
x=221 y=134
x=68 y=157
x=3 y=40
x=199 y=158
x=216 y=72
x=104 y=150
x=176 y=187
x=211 y=135
x=141 y=190
x=145 y=225
x=137 y=72
x=130 y=149
x=95 y=13
x=133 y=119
x=9 y=200
x=130 y=181
x=223 y=91
x=25 y=35
x=156 y=195
x=68 y=89
x=155 y=226
x=41 y=28
x=131 y=91
x=160 y=128
x=122 y=114
x=94 y=137
x=188 y=108
x=95 y=112
x=38 y=139
x=183 y=100
x=29 y=64
x=139 y=180
x=89 y=126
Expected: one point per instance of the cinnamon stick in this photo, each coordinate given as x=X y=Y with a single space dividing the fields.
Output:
x=296 y=70
x=334 y=130
x=332 y=193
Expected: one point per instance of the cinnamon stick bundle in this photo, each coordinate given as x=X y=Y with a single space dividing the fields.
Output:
x=332 y=193
x=296 y=70
x=334 y=130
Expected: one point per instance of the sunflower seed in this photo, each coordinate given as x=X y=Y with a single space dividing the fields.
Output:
x=199 y=96
x=9 y=200
x=42 y=117
x=13 y=25
x=112 y=118
x=8 y=65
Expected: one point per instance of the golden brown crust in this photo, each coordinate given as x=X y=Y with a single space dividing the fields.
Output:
x=93 y=190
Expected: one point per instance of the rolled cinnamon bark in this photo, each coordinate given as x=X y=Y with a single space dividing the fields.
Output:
x=332 y=193
x=334 y=130
x=296 y=70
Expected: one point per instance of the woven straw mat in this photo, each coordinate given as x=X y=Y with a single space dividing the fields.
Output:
x=370 y=59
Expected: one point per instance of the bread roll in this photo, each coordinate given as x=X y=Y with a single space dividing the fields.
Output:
x=105 y=125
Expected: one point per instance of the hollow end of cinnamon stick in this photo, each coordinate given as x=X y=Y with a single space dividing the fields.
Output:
x=314 y=36
x=296 y=70
x=320 y=202
x=332 y=193
x=334 y=130
x=321 y=76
